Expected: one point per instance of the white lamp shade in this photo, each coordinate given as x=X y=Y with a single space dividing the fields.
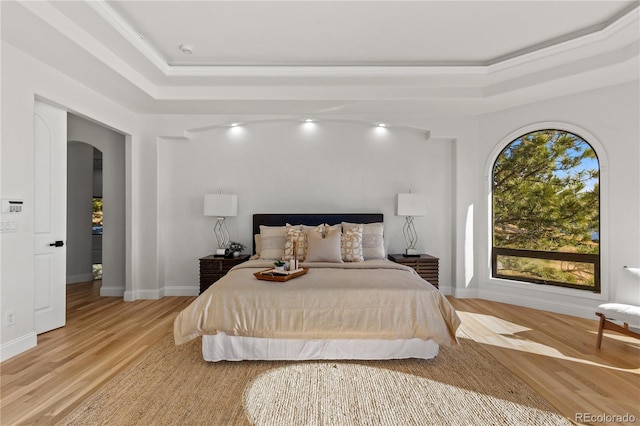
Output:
x=221 y=205
x=412 y=205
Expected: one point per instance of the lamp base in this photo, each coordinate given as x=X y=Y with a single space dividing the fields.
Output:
x=411 y=253
x=222 y=252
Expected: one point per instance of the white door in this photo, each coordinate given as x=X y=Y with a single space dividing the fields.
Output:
x=50 y=210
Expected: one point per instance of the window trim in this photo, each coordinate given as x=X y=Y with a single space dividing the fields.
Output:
x=593 y=259
x=602 y=292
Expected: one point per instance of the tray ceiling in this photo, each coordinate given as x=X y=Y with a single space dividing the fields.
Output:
x=360 y=33
x=347 y=57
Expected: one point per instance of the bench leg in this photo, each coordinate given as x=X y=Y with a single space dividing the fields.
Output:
x=608 y=325
x=600 y=330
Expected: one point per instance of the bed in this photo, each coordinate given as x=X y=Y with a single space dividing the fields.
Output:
x=353 y=304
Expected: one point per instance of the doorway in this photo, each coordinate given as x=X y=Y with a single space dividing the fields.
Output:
x=84 y=212
x=96 y=239
x=101 y=212
x=96 y=217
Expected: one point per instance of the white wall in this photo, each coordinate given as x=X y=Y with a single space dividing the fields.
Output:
x=79 y=198
x=23 y=79
x=292 y=167
x=610 y=116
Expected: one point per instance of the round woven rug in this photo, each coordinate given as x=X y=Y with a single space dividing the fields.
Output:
x=172 y=385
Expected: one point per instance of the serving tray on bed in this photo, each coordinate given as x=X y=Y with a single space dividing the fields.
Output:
x=277 y=277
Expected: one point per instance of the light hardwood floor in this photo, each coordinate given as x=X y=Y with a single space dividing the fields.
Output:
x=557 y=356
x=554 y=353
x=102 y=336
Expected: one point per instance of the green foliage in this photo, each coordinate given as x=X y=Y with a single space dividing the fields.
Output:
x=97 y=211
x=547 y=270
x=97 y=204
x=545 y=197
x=236 y=246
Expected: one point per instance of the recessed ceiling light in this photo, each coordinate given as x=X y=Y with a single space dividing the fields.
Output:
x=187 y=49
x=234 y=124
x=308 y=120
x=382 y=125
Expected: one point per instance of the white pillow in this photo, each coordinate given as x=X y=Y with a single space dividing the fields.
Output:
x=372 y=239
x=272 y=241
x=258 y=244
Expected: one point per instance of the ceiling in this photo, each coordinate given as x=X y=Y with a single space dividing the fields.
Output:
x=329 y=56
x=361 y=33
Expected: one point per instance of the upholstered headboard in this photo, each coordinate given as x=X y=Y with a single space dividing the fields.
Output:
x=311 y=219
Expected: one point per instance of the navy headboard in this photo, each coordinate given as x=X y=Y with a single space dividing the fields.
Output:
x=311 y=219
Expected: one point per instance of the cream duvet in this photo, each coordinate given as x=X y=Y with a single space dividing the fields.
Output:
x=375 y=299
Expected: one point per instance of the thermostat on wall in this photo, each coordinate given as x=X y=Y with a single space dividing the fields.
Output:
x=11 y=206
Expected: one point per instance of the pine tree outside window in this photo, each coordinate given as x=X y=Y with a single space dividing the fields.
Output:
x=546 y=211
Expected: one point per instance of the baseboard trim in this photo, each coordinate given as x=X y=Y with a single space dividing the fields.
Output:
x=130 y=296
x=181 y=291
x=79 y=278
x=582 y=311
x=446 y=290
x=112 y=291
x=17 y=346
x=465 y=293
x=146 y=294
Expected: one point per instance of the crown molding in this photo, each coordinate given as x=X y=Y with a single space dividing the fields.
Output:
x=614 y=45
x=621 y=32
x=136 y=39
x=56 y=19
x=596 y=35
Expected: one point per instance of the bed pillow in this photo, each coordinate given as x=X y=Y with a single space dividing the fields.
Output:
x=351 y=244
x=272 y=241
x=321 y=228
x=372 y=239
x=325 y=249
x=258 y=245
x=295 y=234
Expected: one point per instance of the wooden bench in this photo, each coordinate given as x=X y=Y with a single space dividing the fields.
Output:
x=609 y=312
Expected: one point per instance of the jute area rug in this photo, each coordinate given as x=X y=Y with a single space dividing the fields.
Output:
x=172 y=385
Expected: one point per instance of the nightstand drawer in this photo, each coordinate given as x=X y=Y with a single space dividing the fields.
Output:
x=212 y=268
x=211 y=265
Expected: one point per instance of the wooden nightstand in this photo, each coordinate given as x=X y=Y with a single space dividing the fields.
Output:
x=425 y=265
x=212 y=268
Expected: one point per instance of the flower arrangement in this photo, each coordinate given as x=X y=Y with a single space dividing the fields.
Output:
x=279 y=263
x=235 y=246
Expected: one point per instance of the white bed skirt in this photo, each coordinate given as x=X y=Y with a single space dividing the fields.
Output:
x=221 y=347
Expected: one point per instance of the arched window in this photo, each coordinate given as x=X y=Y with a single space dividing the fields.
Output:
x=546 y=211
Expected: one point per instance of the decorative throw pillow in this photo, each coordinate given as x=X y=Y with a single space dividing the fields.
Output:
x=372 y=239
x=307 y=228
x=295 y=235
x=321 y=228
x=325 y=249
x=272 y=241
x=351 y=244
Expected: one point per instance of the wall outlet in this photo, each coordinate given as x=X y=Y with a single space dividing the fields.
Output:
x=11 y=317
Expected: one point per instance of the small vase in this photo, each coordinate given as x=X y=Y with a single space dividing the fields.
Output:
x=236 y=253
x=280 y=268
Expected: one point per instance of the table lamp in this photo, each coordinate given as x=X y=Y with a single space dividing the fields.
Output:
x=411 y=205
x=221 y=206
